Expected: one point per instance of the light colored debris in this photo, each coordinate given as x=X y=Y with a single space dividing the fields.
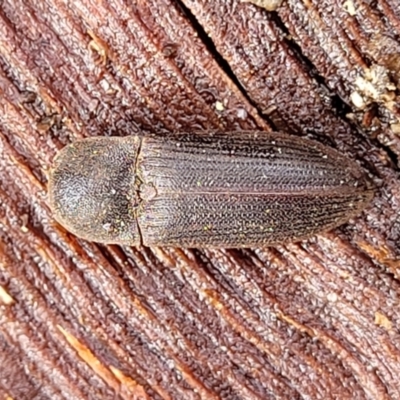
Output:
x=395 y=128
x=375 y=86
x=99 y=46
x=357 y=100
x=350 y=7
x=5 y=297
x=385 y=51
x=219 y=106
x=24 y=219
x=269 y=5
x=382 y=321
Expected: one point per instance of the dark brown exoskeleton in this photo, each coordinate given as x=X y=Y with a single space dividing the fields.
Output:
x=237 y=189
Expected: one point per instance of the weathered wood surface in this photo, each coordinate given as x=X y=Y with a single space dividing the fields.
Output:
x=318 y=319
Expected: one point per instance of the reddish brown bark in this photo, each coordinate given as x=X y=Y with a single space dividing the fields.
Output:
x=317 y=319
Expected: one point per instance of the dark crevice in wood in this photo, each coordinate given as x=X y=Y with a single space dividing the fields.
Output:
x=338 y=104
x=220 y=60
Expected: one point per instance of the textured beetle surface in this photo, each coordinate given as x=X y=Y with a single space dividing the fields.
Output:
x=237 y=189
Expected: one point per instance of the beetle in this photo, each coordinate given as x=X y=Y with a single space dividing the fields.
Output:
x=219 y=189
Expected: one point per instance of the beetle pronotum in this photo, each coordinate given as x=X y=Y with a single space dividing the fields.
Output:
x=236 y=189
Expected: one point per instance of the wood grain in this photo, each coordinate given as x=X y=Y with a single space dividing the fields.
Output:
x=317 y=319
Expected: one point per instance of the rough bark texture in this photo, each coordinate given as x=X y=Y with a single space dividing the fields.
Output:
x=318 y=319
